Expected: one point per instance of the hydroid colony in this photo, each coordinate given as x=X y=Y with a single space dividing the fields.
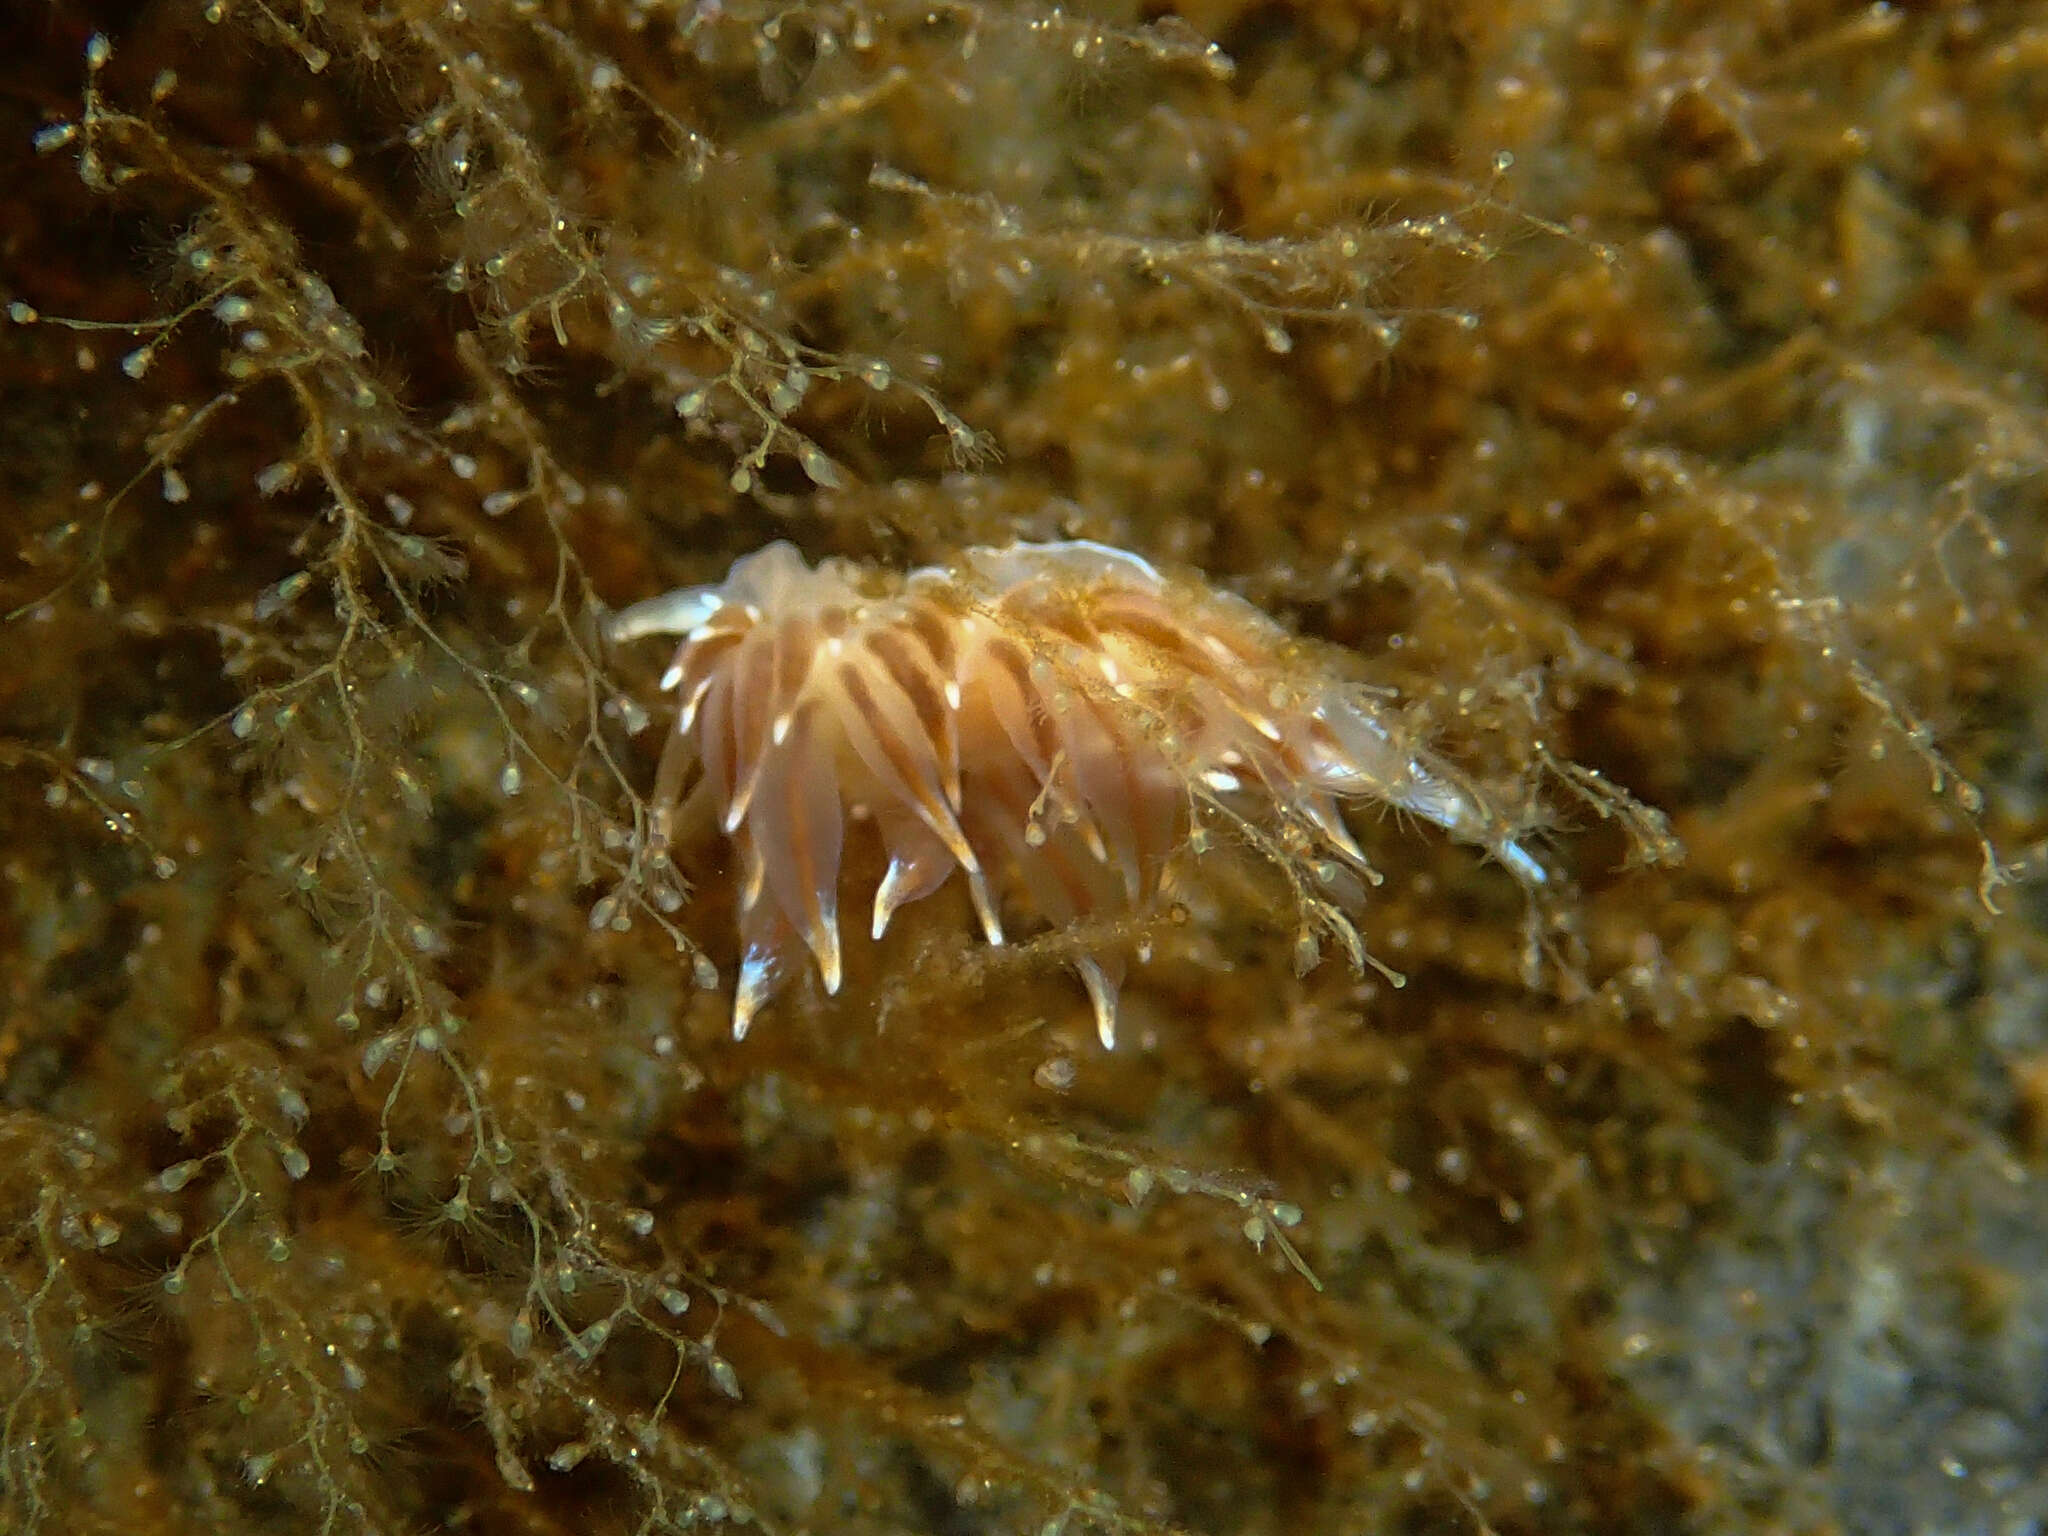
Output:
x=1052 y=719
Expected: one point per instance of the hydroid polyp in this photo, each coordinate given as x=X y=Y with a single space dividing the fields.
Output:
x=1050 y=721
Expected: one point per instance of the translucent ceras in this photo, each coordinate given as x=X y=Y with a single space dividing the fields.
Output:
x=1048 y=720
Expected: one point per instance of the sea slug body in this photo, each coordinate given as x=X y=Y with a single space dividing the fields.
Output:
x=1046 y=719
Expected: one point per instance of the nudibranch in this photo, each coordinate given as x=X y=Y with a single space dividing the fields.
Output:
x=1049 y=720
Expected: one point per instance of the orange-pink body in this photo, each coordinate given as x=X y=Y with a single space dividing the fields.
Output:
x=1046 y=717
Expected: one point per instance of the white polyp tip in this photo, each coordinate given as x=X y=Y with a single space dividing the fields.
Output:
x=886 y=900
x=984 y=909
x=1522 y=865
x=826 y=948
x=737 y=811
x=757 y=979
x=1102 y=998
x=672 y=613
